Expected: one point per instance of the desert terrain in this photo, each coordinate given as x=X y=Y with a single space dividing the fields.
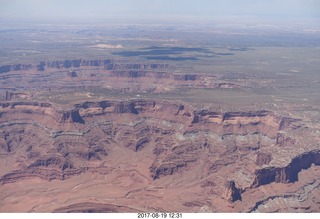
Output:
x=145 y=118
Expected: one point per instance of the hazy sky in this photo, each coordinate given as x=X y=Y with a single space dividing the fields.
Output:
x=157 y=8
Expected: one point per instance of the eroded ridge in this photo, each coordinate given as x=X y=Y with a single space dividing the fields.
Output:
x=225 y=154
x=103 y=74
x=289 y=173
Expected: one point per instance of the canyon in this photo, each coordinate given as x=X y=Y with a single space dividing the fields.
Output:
x=154 y=155
x=136 y=107
x=114 y=75
x=174 y=115
x=178 y=115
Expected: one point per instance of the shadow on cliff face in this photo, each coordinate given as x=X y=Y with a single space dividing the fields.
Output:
x=72 y=116
x=289 y=173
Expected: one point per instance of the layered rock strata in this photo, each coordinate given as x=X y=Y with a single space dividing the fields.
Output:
x=225 y=154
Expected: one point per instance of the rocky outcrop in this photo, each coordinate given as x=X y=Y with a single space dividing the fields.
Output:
x=72 y=116
x=76 y=63
x=177 y=159
x=50 y=161
x=228 y=85
x=18 y=67
x=129 y=74
x=240 y=123
x=232 y=193
x=263 y=158
x=216 y=117
x=45 y=109
x=140 y=74
x=141 y=143
x=88 y=109
x=125 y=107
x=100 y=104
x=108 y=71
x=185 y=77
x=15 y=104
x=14 y=95
x=72 y=74
x=106 y=64
x=40 y=172
x=282 y=140
x=289 y=173
x=137 y=66
x=8 y=96
x=166 y=169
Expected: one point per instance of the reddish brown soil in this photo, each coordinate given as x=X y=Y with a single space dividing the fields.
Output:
x=151 y=155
